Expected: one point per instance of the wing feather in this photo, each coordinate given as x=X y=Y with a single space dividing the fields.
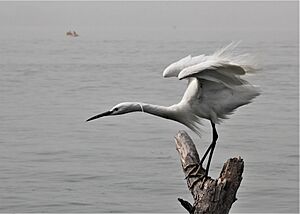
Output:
x=175 y=68
x=220 y=72
x=221 y=67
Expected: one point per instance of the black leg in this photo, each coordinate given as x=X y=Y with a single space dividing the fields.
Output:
x=212 y=147
x=205 y=154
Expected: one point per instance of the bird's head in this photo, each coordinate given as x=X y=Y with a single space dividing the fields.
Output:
x=121 y=108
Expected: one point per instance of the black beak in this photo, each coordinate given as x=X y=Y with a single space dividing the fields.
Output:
x=99 y=115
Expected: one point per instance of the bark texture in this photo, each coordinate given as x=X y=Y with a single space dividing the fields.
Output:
x=210 y=195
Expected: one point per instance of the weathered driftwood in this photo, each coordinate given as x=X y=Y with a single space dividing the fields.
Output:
x=210 y=196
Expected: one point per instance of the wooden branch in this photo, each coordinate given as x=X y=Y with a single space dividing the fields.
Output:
x=210 y=195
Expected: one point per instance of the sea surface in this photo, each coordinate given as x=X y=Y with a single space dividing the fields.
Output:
x=53 y=161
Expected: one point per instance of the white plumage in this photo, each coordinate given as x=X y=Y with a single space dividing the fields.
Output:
x=215 y=89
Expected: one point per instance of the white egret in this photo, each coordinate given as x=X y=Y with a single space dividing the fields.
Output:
x=215 y=89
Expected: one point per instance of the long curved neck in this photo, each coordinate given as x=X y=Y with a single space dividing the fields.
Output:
x=160 y=111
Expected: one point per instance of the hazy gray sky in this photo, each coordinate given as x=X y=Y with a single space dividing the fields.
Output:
x=199 y=16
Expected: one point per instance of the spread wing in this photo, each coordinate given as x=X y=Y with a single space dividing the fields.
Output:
x=220 y=67
x=175 y=68
x=215 y=71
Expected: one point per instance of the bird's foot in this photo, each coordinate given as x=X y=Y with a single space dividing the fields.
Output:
x=195 y=171
x=194 y=167
x=189 y=165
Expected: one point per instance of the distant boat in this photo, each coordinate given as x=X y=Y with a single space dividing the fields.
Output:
x=72 y=34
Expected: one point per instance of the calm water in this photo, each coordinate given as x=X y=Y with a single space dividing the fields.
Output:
x=53 y=161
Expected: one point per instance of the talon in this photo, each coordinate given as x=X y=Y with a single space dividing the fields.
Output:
x=189 y=165
x=189 y=174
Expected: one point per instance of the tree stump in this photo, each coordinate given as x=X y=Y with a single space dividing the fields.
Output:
x=210 y=195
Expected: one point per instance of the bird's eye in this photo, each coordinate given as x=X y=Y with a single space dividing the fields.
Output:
x=116 y=109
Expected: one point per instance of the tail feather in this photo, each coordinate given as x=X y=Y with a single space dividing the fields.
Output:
x=246 y=61
x=227 y=50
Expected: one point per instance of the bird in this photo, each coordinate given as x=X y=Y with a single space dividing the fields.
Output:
x=214 y=91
